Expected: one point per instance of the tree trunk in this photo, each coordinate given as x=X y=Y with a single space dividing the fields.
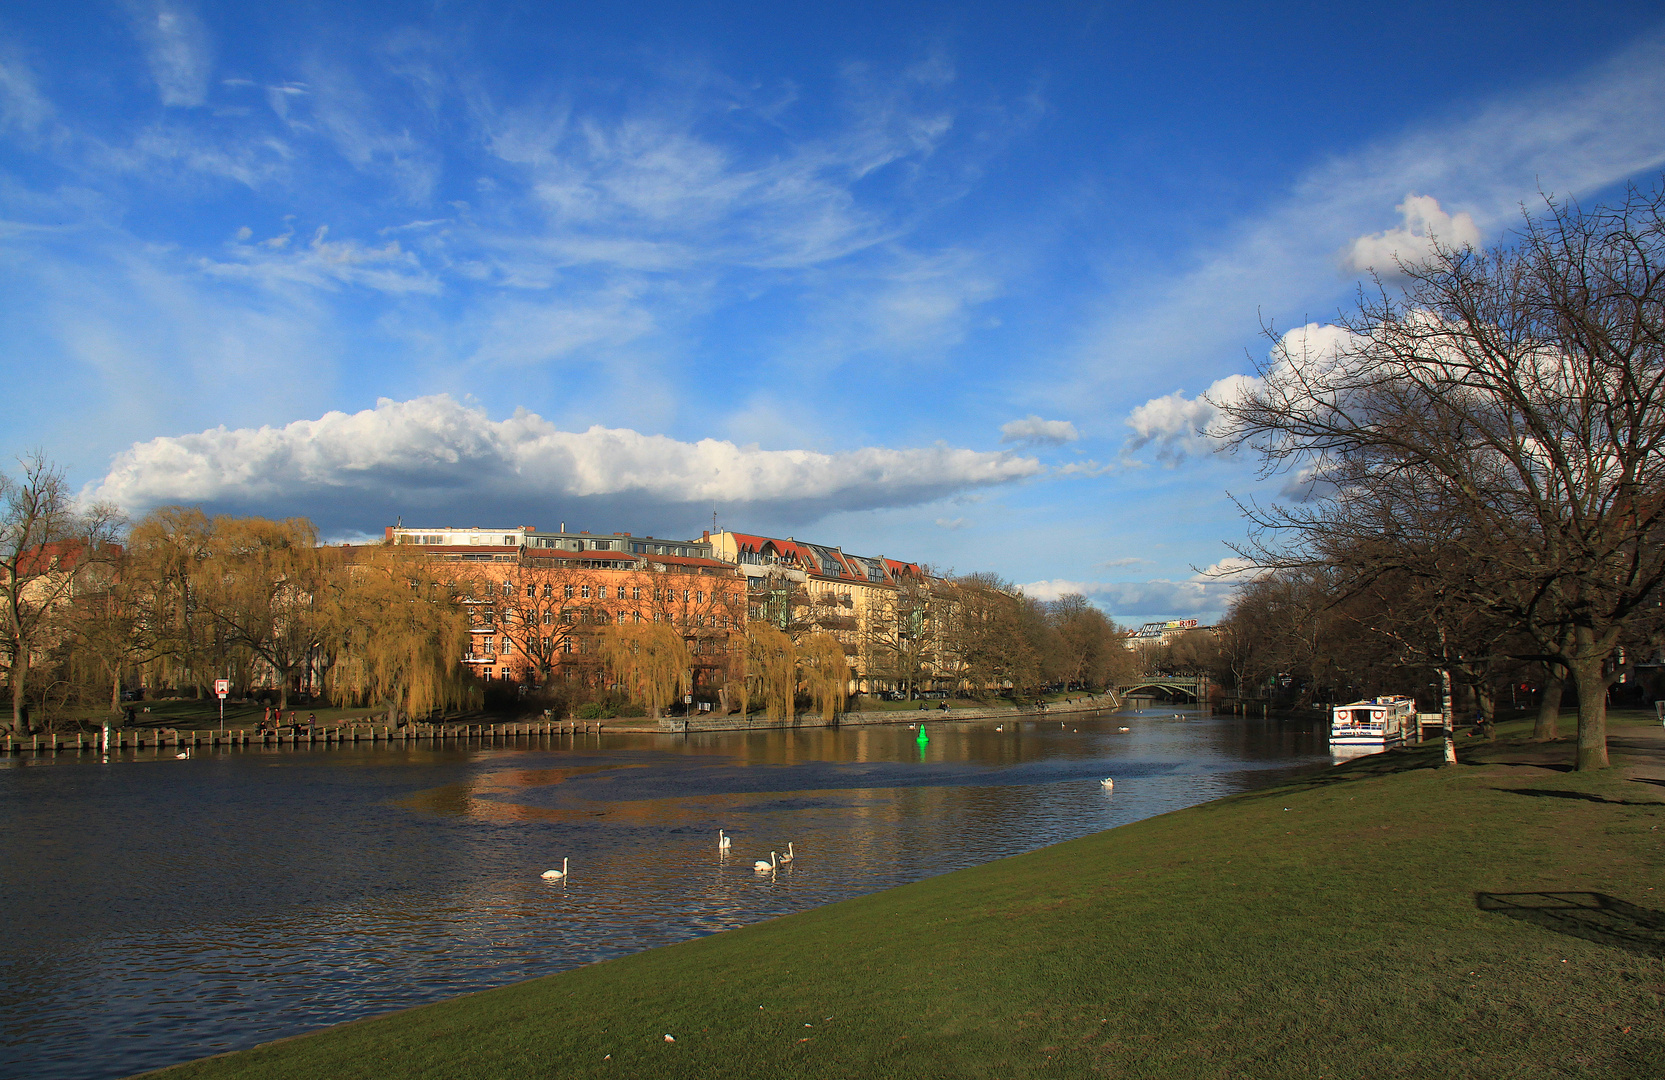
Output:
x=1591 y=682
x=1549 y=708
x=20 y=710
x=1484 y=696
x=115 y=694
x=1445 y=714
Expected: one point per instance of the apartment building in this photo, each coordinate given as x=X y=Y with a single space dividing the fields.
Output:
x=887 y=614
x=538 y=600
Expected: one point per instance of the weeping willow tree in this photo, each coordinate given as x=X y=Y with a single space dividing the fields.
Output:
x=651 y=662
x=773 y=660
x=263 y=584
x=167 y=551
x=825 y=672
x=397 y=634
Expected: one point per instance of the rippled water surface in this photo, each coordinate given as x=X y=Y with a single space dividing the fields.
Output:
x=158 y=910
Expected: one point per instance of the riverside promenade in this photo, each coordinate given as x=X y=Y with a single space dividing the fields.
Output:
x=1087 y=703
x=185 y=740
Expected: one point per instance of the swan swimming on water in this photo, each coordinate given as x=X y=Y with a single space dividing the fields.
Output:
x=788 y=856
x=724 y=842
x=1107 y=784
x=556 y=875
x=766 y=867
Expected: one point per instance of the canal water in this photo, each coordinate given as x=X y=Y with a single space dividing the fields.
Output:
x=154 y=910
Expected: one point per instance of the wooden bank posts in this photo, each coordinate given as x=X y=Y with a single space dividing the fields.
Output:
x=178 y=740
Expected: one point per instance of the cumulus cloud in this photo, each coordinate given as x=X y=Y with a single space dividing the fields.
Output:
x=1425 y=223
x=1180 y=427
x=1033 y=431
x=435 y=455
x=1203 y=596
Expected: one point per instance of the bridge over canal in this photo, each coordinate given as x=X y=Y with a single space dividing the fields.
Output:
x=1194 y=687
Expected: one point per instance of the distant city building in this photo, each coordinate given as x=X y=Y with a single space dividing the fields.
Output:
x=1160 y=633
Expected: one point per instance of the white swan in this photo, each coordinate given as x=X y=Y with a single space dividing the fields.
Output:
x=183 y=754
x=724 y=842
x=1108 y=784
x=1124 y=729
x=556 y=875
x=766 y=867
x=788 y=856
x=999 y=727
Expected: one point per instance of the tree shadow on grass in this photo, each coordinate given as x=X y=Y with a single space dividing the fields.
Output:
x=1397 y=760
x=1584 y=796
x=1597 y=917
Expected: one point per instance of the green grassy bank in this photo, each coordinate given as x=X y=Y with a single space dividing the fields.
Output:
x=1356 y=923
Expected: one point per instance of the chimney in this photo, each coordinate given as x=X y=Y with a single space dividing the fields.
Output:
x=388 y=533
x=624 y=534
x=705 y=535
x=530 y=528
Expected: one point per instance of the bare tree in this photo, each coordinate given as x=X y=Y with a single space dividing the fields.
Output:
x=48 y=546
x=1522 y=392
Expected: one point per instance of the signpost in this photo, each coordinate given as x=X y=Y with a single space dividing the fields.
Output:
x=222 y=687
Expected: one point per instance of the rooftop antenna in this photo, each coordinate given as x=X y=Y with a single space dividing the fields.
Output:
x=713 y=517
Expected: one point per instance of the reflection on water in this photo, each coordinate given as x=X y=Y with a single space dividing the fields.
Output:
x=160 y=910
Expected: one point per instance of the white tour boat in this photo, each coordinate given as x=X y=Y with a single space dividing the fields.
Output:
x=1375 y=722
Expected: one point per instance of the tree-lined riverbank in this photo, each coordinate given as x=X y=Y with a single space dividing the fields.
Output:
x=1385 y=918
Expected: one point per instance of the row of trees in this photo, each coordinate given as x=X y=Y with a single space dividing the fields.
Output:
x=1482 y=483
x=189 y=599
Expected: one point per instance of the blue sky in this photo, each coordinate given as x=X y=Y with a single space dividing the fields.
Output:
x=942 y=284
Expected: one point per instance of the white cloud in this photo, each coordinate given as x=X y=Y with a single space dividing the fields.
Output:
x=324 y=263
x=952 y=523
x=1425 y=223
x=436 y=454
x=1199 y=596
x=1033 y=431
x=176 y=45
x=1180 y=427
x=22 y=107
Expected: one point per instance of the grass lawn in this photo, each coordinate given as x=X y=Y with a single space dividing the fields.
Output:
x=1373 y=920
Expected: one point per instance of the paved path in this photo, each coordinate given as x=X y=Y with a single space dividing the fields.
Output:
x=1639 y=750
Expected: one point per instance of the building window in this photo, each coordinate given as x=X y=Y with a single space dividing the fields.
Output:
x=531 y=592
x=548 y=590
x=508 y=587
x=545 y=642
x=584 y=592
x=638 y=616
x=635 y=592
x=684 y=596
x=485 y=673
x=569 y=592
x=489 y=615
x=699 y=597
x=548 y=617
x=566 y=645
x=488 y=644
x=621 y=618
